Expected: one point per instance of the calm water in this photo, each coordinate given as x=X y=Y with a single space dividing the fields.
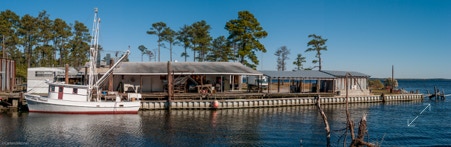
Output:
x=285 y=126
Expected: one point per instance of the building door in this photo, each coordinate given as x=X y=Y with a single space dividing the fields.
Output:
x=60 y=93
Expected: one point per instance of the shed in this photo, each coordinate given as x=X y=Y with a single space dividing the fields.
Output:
x=358 y=82
x=302 y=81
x=325 y=81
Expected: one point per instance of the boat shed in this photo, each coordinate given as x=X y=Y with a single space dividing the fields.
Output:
x=152 y=76
x=301 y=81
x=313 y=81
x=358 y=82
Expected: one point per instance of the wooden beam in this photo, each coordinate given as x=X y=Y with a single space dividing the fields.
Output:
x=170 y=86
x=110 y=78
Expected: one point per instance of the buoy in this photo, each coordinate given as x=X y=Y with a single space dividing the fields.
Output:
x=215 y=104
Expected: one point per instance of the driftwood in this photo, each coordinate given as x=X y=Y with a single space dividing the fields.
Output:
x=359 y=141
x=326 y=123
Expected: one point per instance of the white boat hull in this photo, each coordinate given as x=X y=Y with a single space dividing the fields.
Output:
x=38 y=103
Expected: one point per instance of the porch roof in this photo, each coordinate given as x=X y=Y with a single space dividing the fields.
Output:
x=343 y=73
x=182 y=68
x=305 y=74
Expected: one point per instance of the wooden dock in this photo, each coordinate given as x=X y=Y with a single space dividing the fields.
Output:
x=272 y=102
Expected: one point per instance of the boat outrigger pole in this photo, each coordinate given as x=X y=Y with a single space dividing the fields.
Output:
x=107 y=73
x=93 y=53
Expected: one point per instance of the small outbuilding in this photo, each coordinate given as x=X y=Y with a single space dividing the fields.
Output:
x=357 y=82
x=301 y=81
x=313 y=81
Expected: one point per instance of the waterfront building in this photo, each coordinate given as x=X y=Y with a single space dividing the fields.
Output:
x=150 y=77
x=37 y=76
x=194 y=77
x=322 y=82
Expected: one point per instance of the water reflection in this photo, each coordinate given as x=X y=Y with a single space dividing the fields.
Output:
x=282 y=126
x=81 y=130
x=279 y=126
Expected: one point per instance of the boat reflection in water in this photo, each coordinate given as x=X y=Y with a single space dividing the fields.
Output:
x=82 y=130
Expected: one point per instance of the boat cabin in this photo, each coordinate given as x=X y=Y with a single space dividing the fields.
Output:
x=68 y=92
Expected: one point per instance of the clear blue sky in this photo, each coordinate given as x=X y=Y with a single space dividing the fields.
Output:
x=367 y=36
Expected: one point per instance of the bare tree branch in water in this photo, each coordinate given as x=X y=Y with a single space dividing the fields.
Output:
x=359 y=141
x=326 y=124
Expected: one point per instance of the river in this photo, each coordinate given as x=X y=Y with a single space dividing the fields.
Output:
x=389 y=124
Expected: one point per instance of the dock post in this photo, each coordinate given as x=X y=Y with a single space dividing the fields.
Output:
x=15 y=103
x=170 y=90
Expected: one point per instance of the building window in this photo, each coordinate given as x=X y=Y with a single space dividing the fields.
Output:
x=43 y=74
x=75 y=91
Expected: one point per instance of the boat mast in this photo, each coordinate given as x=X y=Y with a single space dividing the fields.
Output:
x=93 y=54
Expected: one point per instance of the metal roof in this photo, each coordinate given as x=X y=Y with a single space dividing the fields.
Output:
x=343 y=73
x=160 y=68
x=310 y=74
x=61 y=70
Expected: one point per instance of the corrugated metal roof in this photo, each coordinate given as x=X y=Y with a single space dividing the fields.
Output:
x=72 y=71
x=343 y=73
x=310 y=74
x=160 y=68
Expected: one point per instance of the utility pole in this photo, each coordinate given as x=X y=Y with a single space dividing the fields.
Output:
x=3 y=47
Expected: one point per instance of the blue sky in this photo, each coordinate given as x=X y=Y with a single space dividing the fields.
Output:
x=367 y=36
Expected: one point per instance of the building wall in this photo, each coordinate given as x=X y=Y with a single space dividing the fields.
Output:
x=36 y=78
x=8 y=74
x=149 y=83
x=154 y=83
x=356 y=86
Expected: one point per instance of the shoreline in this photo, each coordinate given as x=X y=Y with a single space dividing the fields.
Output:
x=272 y=102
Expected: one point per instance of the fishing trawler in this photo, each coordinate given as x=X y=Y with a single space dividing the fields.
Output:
x=83 y=99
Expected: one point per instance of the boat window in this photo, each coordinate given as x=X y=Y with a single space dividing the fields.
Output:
x=52 y=88
x=75 y=91
x=60 y=89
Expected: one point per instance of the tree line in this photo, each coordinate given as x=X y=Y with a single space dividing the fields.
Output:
x=38 y=41
x=317 y=44
x=240 y=45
